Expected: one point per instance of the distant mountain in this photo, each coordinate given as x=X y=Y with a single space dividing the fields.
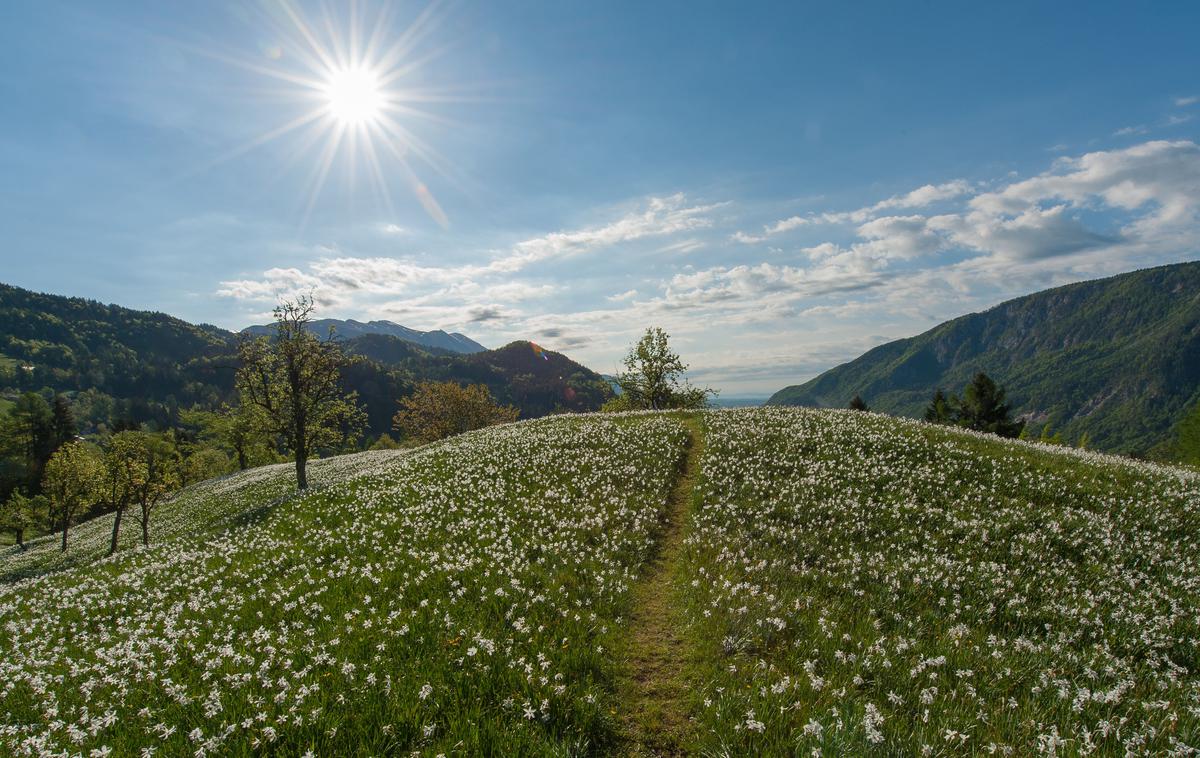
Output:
x=1116 y=358
x=141 y=367
x=349 y=329
x=538 y=382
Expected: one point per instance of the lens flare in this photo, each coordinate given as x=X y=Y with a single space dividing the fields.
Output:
x=355 y=96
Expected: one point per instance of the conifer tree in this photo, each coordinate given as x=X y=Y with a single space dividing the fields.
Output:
x=982 y=408
x=941 y=409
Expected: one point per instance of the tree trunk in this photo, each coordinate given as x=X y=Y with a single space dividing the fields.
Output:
x=145 y=528
x=302 y=469
x=66 y=522
x=112 y=548
x=21 y=538
x=241 y=456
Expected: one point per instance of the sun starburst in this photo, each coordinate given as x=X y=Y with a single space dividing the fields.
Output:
x=355 y=93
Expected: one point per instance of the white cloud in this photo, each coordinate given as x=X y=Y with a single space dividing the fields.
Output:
x=1183 y=102
x=627 y=295
x=1126 y=131
x=920 y=197
x=662 y=216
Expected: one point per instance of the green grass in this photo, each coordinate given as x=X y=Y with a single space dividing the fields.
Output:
x=458 y=599
x=863 y=585
x=746 y=582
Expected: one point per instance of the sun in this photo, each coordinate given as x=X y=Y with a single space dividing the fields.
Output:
x=357 y=92
x=355 y=96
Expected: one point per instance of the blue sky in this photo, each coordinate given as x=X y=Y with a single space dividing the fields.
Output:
x=781 y=186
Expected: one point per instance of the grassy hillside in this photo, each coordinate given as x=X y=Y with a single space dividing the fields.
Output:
x=458 y=599
x=1117 y=358
x=757 y=581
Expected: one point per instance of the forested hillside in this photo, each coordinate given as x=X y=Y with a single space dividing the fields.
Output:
x=1117 y=359
x=127 y=367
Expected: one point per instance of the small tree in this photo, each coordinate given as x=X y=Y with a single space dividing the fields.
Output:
x=437 y=410
x=20 y=513
x=203 y=463
x=240 y=430
x=941 y=409
x=161 y=463
x=653 y=378
x=72 y=483
x=124 y=474
x=983 y=408
x=857 y=404
x=295 y=380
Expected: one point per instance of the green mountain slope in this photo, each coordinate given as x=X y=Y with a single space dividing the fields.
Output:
x=847 y=583
x=1117 y=359
x=143 y=367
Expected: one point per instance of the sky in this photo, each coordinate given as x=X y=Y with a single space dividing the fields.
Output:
x=780 y=186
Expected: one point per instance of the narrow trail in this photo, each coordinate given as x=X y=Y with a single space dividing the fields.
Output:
x=653 y=688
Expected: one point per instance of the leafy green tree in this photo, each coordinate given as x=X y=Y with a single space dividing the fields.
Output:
x=982 y=408
x=857 y=404
x=239 y=430
x=161 y=466
x=385 y=442
x=437 y=410
x=20 y=513
x=941 y=409
x=204 y=463
x=654 y=378
x=72 y=483
x=124 y=473
x=295 y=380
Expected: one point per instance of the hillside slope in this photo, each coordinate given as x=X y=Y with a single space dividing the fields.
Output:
x=1117 y=358
x=143 y=367
x=842 y=582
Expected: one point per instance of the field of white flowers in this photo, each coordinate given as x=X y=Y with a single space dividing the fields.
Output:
x=461 y=598
x=858 y=585
x=204 y=508
x=848 y=584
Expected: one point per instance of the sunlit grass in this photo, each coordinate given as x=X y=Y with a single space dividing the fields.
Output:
x=458 y=598
x=859 y=584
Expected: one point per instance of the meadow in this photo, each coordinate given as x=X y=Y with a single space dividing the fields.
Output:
x=859 y=584
x=847 y=584
x=461 y=598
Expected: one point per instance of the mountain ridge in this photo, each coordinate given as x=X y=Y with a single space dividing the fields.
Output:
x=350 y=328
x=1116 y=358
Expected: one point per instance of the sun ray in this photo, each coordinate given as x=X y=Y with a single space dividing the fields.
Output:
x=358 y=81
